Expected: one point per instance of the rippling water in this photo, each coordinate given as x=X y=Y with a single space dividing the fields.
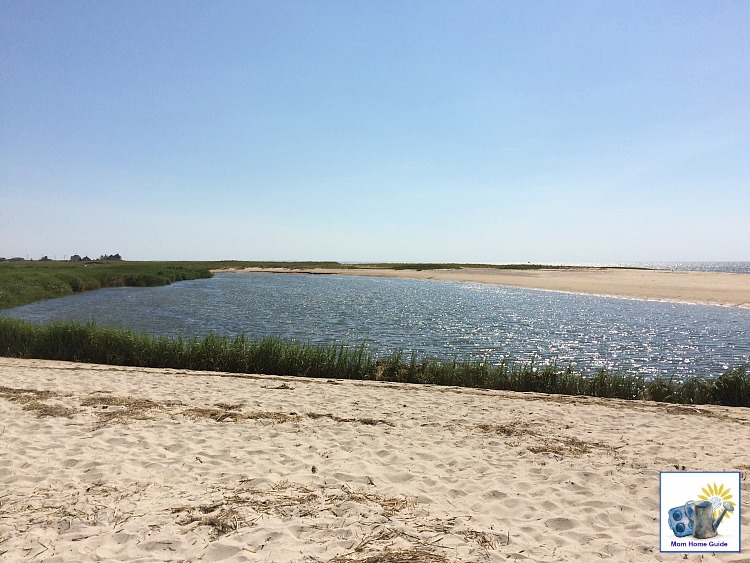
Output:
x=730 y=267
x=431 y=318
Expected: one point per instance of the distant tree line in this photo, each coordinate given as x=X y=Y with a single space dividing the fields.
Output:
x=77 y=258
x=74 y=258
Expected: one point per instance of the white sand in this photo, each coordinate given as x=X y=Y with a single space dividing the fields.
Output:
x=714 y=288
x=146 y=466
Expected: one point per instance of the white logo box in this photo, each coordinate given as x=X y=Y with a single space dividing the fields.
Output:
x=680 y=492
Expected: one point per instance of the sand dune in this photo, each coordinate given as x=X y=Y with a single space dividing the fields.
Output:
x=110 y=463
x=714 y=288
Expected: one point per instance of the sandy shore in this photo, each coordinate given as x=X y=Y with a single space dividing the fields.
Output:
x=110 y=463
x=714 y=288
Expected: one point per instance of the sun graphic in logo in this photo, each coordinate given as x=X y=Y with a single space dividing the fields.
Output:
x=717 y=496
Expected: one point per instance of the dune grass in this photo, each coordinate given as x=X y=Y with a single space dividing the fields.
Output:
x=26 y=282
x=274 y=356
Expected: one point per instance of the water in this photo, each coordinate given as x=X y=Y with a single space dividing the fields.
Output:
x=430 y=318
x=730 y=267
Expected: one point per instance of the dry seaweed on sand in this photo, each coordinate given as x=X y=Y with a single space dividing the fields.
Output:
x=513 y=428
x=44 y=409
x=227 y=515
x=120 y=409
x=486 y=540
x=400 y=556
x=67 y=505
x=220 y=519
x=32 y=400
x=24 y=395
x=217 y=415
x=273 y=416
x=557 y=445
x=563 y=446
x=280 y=386
x=229 y=406
x=227 y=415
x=242 y=506
x=283 y=499
x=367 y=421
x=389 y=505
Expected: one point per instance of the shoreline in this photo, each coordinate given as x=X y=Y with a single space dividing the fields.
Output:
x=706 y=288
x=118 y=463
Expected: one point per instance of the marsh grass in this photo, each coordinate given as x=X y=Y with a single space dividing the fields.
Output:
x=26 y=282
x=275 y=356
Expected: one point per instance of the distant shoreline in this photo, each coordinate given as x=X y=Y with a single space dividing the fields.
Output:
x=709 y=288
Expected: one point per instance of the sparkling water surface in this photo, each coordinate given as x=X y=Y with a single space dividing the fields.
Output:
x=728 y=267
x=439 y=319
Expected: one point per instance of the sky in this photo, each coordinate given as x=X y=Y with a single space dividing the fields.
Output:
x=376 y=131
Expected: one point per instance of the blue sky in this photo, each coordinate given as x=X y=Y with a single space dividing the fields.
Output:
x=376 y=131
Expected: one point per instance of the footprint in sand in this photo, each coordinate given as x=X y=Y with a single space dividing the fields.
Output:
x=561 y=524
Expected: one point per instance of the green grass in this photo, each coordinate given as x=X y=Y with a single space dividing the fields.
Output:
x=26 y=282
x=89 y=343
x=92 y=344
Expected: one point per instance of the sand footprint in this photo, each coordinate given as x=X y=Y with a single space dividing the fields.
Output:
x=561 y=524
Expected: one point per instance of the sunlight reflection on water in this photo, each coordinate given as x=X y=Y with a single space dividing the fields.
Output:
x=430 y=318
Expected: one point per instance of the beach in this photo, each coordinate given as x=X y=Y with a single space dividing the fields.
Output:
x=711 y=288
x=116 y=463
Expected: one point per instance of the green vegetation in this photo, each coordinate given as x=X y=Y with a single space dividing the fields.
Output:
x=26 y=282
x=89 y=343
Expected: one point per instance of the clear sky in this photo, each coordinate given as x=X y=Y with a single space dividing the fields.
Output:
x=459 y=131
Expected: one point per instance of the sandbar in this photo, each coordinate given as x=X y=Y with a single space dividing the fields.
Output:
x=114 y=463
x=710 y=288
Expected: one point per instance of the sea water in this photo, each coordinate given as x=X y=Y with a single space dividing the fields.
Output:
x=428 y=318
